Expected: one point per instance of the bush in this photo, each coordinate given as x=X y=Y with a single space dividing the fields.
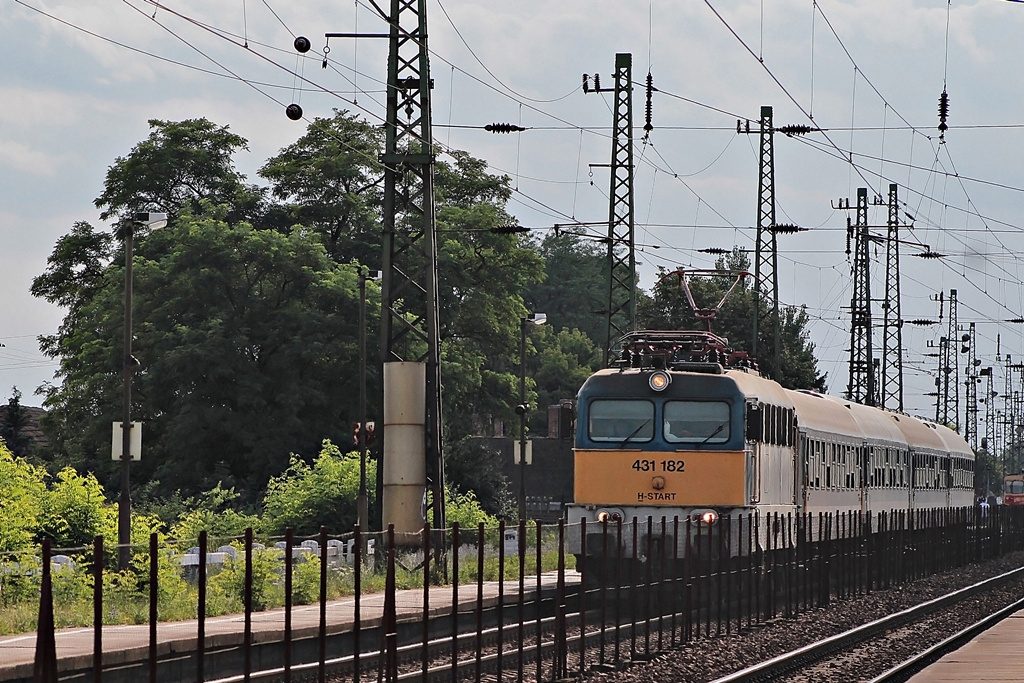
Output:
x=306 y=498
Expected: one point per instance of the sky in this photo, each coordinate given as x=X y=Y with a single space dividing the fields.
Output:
x=80 y=79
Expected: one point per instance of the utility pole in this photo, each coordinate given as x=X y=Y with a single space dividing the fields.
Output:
x=620 y=314
x=892 y=331
x=861 y=388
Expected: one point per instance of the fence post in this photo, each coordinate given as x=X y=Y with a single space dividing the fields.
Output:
x=247 y=598
x=45 y=669
x=97 y=609
x=390 y=618
x=154 y=594
x=289 y=542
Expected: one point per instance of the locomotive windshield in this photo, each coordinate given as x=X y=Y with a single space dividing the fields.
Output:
x=1016 y=487
x=697 y=422
x=621 y=419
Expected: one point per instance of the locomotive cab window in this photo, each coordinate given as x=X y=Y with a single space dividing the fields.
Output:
x=697 y=422
x=621 y=421
x=1016 y=487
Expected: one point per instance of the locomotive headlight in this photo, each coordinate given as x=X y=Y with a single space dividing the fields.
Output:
x=708 y=517
x=610 y=516
x=660 y=380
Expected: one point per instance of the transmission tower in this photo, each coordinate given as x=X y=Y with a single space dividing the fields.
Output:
x=861 y=388
x=971 y=381
x=892 y=332
x=409 y=315
x=620 y=314
x=989 y=440
x=766 y=251
x=948 y=412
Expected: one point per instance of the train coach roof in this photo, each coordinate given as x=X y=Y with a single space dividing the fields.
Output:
x=918 y=432
x=878 y=425
x=753 y=385
x=824 y=414
x=955 y=443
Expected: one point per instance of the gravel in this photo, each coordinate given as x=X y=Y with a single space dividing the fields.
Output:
x=707 y=660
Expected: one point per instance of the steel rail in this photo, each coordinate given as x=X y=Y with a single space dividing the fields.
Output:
x=791 y=661
x=928 y=657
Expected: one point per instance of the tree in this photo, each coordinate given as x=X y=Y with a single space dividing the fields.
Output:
x=668 y=309
x=179 y=165
x=331 y=182
x=255 y=367
x=13 y=424
x=574 y=293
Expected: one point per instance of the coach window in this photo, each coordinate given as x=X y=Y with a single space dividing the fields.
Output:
x=697 y=422
x=621 y=420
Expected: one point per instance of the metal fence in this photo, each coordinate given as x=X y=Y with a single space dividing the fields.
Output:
x=457 y=604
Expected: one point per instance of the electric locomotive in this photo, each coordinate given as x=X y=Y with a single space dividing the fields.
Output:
x=684 y=430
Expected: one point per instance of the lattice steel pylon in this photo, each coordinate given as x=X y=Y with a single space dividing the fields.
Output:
x=949 y=372
x=990 y=411
x=892 y=331
x=766 y=251
x=409 y=302
x=621 y=310
x=971 y=388
x=861 y=388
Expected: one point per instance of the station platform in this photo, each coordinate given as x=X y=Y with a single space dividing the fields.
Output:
x=992 y=657
x=126 y=647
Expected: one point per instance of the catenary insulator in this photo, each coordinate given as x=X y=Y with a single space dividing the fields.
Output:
x=795 y=129
x=943 y=111
x=503 y=128
x=650 y=90
x=586 y=83
x=786 y=228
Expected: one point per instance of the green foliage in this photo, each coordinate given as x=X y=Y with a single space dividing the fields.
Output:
x=230 y=581
x=471 y=466
x=13 y=424
x=210 y=512
x=21 y=489
x=464 y=509
x=575 y=292
x=74 y=511
x=180 y=164
x=307 y=497
x=330 y=179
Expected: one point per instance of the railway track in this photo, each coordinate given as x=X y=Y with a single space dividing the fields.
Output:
x=896 y=646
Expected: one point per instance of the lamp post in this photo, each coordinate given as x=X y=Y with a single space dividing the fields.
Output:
x=153 y=221
x=362 y=501
x=523 y=408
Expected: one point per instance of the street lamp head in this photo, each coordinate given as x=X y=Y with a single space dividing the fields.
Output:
x=151 y=220
x=370 y=274
x=536 y=318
